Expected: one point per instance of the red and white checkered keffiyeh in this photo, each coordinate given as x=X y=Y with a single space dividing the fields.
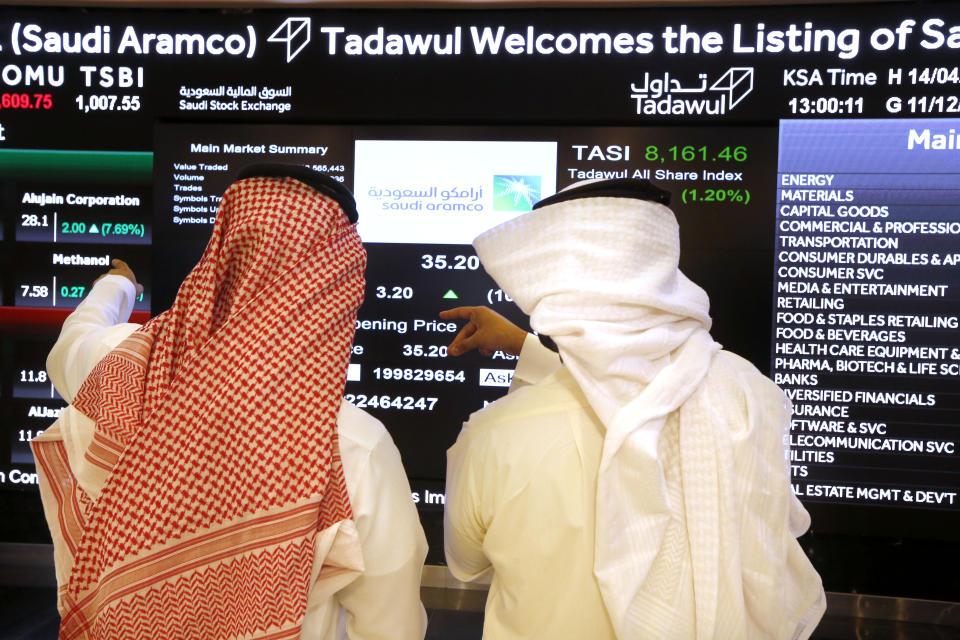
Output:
x=216 y=434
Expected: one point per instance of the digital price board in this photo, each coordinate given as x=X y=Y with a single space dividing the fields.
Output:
x=812 y=153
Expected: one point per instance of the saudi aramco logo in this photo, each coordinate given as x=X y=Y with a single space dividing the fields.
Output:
x=515 y=193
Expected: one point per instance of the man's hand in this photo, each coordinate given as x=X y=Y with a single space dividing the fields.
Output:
x=121 y=268
x=486 y=331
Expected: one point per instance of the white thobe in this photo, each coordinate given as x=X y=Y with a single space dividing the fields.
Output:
x=521 y=500
x=383 y=603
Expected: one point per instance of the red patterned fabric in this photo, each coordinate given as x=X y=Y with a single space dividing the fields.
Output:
x=216 y=427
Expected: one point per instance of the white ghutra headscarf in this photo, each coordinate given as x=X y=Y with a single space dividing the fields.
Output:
x=696 y=520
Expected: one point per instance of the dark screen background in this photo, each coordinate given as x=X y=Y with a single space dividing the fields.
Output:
x=572 y=99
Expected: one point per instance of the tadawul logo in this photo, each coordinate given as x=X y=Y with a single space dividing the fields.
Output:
x=665 y=95
x=295 y=32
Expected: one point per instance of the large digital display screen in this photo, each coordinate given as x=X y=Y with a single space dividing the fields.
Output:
x=813 y=155
x=423 y=196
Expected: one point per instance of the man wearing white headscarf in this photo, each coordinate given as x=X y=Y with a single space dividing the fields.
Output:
x=641 y=490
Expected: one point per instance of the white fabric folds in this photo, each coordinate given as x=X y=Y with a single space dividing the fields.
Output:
x=696 y=520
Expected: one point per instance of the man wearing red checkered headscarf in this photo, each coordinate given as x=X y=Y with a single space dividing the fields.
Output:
x=208 y=481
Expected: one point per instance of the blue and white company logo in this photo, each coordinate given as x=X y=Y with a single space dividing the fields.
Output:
x=295 y=32
x=515 y=193
x=666 y=95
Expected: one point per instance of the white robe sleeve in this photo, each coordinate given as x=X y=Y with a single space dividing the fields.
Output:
x=536 y=363
x=383 y=603
x=95 y=327
x=464 y=518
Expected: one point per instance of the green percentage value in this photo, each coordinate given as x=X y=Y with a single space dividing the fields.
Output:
x=105 y=229
x=122 y=229
x=693 y=153
x=734 y=196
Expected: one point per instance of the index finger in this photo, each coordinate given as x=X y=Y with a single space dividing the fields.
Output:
x=461 y=313
x=463 y=341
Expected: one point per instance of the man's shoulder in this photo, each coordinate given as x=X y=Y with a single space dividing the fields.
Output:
x=558 y=393
x=737 y=384
x=736 y=370
x=535 y=427
x=358 y=430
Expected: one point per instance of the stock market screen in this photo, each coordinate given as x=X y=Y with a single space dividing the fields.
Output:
x=812 y=153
